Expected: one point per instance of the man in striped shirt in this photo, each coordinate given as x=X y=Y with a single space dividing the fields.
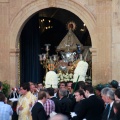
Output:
x=49 y=106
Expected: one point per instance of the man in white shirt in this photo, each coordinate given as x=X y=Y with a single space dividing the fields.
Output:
x=25 y=103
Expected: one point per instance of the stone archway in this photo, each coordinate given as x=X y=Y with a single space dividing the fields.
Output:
x=25 y=13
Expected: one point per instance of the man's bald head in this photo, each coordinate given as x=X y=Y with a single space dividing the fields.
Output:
x=59 y=117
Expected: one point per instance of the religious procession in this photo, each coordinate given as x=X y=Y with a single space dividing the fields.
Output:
x=68 y=101
x=66 y=93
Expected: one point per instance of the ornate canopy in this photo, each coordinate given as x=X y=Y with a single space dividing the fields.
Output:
x=68 y=44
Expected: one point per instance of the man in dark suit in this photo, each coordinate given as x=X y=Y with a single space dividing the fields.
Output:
x=38 y=112
x=90 y=108
x=108 y=97
x=65 y=103
x=79 y=96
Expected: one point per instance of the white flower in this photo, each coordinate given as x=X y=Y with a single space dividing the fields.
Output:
x=51 y=79
x=67 y=74
x=58 y=75
x=65 y=77
x=80 y=71
x=61 y=77
x=70 y=75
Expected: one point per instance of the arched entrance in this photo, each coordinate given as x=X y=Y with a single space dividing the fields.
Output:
x=24 y=15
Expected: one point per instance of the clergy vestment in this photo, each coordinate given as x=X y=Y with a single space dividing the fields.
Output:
x=25 y=101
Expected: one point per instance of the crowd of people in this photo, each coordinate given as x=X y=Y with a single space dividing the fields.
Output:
x=70 y=101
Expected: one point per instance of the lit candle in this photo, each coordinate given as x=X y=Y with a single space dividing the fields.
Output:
x=40 y=56
x=44 y=56
x=80 y=56
x=72 y=57
x=47 y=47
x=54 y=57
x=50 y=58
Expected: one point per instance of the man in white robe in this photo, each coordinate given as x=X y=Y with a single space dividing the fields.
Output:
x=25 y=103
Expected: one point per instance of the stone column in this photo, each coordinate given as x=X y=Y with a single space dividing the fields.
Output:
x=94 y=65
x=116 y=40
x=14 y=78
x=104 y=38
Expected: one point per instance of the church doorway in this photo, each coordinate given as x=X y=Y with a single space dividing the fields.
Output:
x=24 y=15
x=47 y=26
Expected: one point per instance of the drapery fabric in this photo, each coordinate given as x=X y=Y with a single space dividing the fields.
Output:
x=30 y=68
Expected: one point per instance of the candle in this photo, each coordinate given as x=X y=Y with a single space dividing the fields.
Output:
x=47 y=47
x=50 y=58
x=54 y=57
x=44 y=56
x=40 y=56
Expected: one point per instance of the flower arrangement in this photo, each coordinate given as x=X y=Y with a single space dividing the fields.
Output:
x=65 y=77
x=80 y=71
x=51 y=80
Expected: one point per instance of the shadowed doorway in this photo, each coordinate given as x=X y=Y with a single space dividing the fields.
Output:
x=46 y=26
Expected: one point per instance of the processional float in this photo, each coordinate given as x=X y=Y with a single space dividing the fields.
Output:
x=70 y=65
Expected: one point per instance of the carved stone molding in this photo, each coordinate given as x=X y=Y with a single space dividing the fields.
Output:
x=4 y=1
x=14 y=52
x=94 y=51
x=52 y=3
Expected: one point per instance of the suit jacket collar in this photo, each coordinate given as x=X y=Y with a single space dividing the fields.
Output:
x=91 y=95
x=62 y=98
x=40 y=102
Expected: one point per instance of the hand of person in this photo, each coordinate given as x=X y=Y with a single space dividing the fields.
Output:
x=52 y=114
x=30 y=104
x=20 y=108
x=73 y=114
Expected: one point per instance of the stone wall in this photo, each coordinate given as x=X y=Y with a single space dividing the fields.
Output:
x=103 y=20
x=115 y=40
x=100 y=16
x=4 y=40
